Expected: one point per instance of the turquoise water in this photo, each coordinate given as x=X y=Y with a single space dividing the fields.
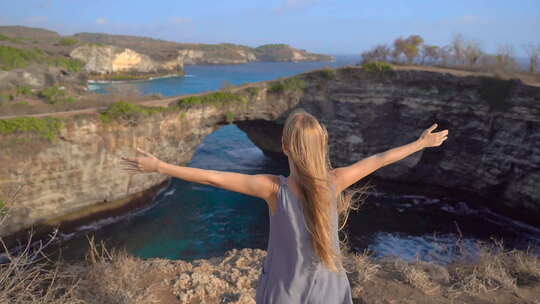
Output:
x=201 y=78
x=189 y=221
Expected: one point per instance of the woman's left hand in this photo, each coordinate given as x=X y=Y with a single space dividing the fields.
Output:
x=146 y=163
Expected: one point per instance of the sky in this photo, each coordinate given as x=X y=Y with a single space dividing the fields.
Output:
x=324 y=26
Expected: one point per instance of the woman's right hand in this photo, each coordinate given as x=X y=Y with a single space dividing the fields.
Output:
x=429 y=139
x=148 y=163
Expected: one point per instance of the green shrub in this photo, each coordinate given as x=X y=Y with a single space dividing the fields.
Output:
x=47 y=127
x=3 y=208
x=266 y=47
x=70 y=64
x=290 y=84
x=67 y=41
x=24 y=91
x=15 y=58
x=217 y=99
x=230 y=117
x=52 y=94
x=95 y=44
x=328 y=73
x=127 y=111
x=378 y=68
x=253 y=91
x=70 y=99
x=23 y=103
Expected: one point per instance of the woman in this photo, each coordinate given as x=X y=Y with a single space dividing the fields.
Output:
x=303 y=262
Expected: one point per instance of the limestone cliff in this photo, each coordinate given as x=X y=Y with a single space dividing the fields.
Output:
x=492 y=151
x=215 y=56
x=284 y=52
x=233 y=54
x=111 y=59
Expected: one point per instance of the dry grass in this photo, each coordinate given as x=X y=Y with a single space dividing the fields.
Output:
x=29 y=277
x=363 y=267
x=414 y=275
x=495 y=268
x=111 y=277
x=495 y=275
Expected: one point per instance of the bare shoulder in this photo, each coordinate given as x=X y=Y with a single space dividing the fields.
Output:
x=269 y=181
x=271 y=185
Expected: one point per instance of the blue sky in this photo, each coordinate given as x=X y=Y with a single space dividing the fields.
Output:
x=334 y=27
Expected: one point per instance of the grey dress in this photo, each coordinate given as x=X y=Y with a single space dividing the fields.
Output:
x=292 y=272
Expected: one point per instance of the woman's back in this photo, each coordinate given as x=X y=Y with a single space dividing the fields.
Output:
x=291 y=271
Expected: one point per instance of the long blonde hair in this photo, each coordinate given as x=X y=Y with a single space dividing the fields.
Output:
x=305 y=142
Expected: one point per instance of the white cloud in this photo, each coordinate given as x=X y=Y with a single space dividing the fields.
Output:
x=180 y=20
x=290 y=5
x=101 y=21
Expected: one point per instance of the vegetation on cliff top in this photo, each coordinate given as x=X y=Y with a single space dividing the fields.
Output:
x=378 y=68
x=460 y=53
x=46 y=127
x=127 y=111
x=55 y=94
x=287 y=85
x=216 y=99
x=67 y=41
x=10 y=39
x=17 y=58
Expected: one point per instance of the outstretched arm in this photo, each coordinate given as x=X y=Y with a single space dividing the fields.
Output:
x=346 y=176
x=259 y=185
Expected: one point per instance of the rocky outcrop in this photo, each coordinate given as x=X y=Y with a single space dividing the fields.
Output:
x=39 y=77
x=284 y=52
x=492 y=151
x=111 y=59
x=202 y=56
x=234 y=277
x=235 y=54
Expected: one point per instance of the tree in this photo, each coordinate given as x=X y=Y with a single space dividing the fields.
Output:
x=399 y=48
x=412 y=47
x=533 y=51
x=445 y=54
x=505 y=58
x=430 y=52
x=458 y=48
x=380 y=52
x=472 y=52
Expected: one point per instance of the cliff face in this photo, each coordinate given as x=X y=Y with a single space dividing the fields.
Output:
x=492 y=151
x=284 y=52
x=77 y=173
x=202 y=56
x=234 y=54
x=111 y=59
